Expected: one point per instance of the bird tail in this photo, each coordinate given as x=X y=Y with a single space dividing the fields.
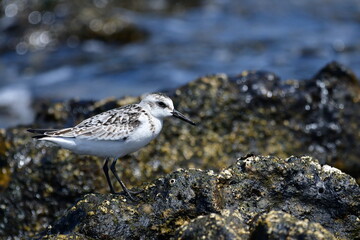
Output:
x=40 y=132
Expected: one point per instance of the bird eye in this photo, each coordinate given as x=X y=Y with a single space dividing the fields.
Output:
x=161 y=104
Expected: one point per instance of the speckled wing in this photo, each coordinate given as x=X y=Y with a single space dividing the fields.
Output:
x=115 y=124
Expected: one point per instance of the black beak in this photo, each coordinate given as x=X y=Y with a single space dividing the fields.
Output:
x=178 y=114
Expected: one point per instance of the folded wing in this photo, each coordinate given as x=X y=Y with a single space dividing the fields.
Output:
x=115 y=124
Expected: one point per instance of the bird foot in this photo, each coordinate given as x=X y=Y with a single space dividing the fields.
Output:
x=129 y=194
x=136 y=192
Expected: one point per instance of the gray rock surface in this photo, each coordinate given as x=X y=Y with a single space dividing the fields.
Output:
x=258 y=197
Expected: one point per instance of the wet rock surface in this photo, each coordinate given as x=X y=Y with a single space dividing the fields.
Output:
x=280 y=225
x=255 y=198
x=252 y=112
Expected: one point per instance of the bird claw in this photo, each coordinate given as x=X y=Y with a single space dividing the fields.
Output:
x=129 y=194
x=136 y=192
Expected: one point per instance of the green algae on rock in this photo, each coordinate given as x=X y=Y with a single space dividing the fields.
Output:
x=256 y=196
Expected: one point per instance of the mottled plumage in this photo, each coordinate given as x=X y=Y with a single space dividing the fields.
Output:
x=115 y=124
x=117 y=132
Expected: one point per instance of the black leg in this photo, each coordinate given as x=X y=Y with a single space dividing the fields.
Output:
x=113 y=170
x=106 y=171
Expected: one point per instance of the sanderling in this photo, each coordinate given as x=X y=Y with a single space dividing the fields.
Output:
x=116 y=133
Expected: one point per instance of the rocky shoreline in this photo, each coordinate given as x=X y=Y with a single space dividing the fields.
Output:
x=256 y=197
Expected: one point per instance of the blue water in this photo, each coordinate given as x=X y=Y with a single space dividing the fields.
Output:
x=294 y=39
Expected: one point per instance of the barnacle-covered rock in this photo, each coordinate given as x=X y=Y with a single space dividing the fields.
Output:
x=227 y=225
x=300 y=186
x=256 y=197
x=280 y=225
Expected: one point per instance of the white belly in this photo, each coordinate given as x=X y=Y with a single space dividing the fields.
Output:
x=108 y=148
x=100 y=148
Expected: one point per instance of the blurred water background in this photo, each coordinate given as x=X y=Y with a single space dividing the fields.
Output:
x=96 y=49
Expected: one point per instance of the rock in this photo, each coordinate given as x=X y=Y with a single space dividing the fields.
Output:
x=300 y=186
x=227 y=225
x=256 y=198
x=280 y=225
x=252 y=112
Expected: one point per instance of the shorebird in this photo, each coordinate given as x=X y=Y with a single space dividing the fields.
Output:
x=115 y=133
